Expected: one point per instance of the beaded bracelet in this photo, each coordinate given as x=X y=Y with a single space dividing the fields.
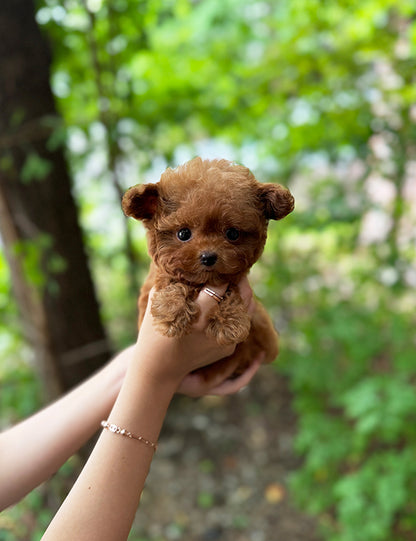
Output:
x=123 y=432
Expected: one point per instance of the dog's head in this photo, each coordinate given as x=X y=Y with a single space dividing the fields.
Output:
x=207 y=220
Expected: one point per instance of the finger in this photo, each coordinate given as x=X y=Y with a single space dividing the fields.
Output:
x=246 y=294
x=252 y=306
x=149 y=299
x=216 y=373
x=201 y=382
x=231 y=386
x=208 y=302
x=209 y=295
x=215 y=293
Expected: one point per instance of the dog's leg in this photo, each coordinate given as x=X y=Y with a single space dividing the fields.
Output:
x=229 y=322
x=174 y=309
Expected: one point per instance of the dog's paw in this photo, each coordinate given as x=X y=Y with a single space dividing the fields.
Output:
x=173 y=313
x=229 y=330
x=175 y=328
x=229 y=323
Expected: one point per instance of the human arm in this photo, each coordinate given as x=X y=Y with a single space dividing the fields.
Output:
x=34 y=449
x=103 y=501
x=38 y=446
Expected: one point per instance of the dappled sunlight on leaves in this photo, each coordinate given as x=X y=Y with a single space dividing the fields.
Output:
x=320 y=98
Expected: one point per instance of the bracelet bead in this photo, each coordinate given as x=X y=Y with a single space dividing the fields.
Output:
x=123 y=432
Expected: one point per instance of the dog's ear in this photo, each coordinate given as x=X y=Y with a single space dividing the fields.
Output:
x=141 y=201
x=277 y=201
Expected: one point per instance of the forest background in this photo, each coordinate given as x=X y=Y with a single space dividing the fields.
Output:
x=318 y=96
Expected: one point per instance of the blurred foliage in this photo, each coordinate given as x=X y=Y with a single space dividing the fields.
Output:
x=20 y=391
x=319 y=96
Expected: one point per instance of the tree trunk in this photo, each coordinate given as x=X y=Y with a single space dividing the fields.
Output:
x=38 y=216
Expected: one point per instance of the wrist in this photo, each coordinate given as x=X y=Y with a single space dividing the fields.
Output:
x=152 y=376
x=158 y=366
x=143 y=401
x=113 y=373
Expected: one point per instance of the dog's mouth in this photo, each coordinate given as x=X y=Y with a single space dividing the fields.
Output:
x=214 y=275
x=211 y=277
x=205 y=268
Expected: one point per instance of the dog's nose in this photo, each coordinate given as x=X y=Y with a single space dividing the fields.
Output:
x=208 y=258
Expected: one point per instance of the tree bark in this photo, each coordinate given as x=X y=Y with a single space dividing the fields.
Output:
x=38 y=216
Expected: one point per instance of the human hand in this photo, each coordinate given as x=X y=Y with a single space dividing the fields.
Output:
x=196 y=384
x=170 y=359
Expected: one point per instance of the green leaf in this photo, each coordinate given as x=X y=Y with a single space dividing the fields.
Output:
x=35 y=168
x=205 y=500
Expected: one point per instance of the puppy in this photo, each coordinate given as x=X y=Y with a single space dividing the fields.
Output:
x=206 y=224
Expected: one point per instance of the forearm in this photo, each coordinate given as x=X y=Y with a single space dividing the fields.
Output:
x=38 y=446
x=102 y=504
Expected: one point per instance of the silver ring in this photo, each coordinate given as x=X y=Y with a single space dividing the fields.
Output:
x=213 y=294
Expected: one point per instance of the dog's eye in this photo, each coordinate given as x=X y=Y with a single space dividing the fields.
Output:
x=184 y=234
x=232 y=233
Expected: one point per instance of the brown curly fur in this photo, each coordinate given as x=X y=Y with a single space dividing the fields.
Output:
x=208 y=197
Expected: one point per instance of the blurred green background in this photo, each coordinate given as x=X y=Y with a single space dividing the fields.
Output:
x=318 y=96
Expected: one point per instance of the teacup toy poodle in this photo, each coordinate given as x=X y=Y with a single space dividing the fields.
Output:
x=206 y=225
